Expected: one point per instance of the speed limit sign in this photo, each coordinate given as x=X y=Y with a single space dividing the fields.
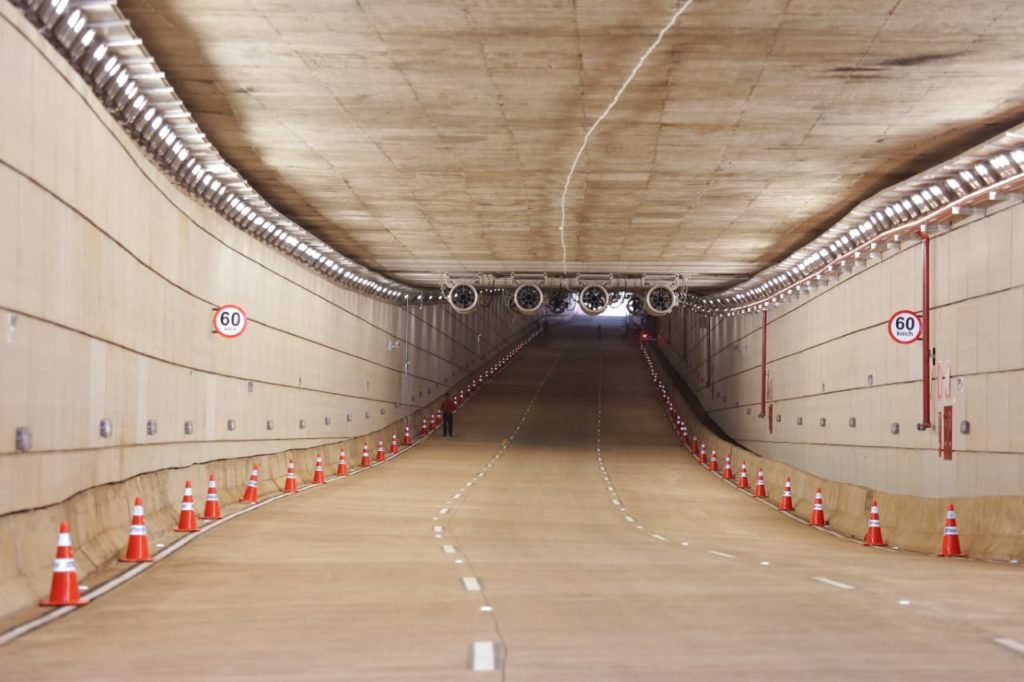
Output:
x=905 y=326
x=229 y=321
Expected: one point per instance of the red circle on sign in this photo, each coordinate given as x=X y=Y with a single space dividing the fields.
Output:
x=901 y=330
x=230 y=321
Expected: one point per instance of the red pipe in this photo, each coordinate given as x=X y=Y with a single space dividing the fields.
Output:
x=709 y=351
x=764 y=361
x=926 y=370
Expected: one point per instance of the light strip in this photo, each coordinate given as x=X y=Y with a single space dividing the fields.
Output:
x=175 y=153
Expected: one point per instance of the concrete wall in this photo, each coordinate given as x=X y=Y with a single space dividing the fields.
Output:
x=830 y=357
x=108 y=277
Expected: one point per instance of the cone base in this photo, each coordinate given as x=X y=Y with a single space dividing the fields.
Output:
x=952 y=556
x=186 y=530
x=80 y=602
x=126 y=560
x=786 y=507
x=218 y=517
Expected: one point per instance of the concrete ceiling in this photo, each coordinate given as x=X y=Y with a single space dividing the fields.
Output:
x=422 y=137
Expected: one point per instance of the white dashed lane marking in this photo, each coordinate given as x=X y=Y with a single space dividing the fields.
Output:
x=1011 y=644
x=833 y=583
x=722 y=554
x=484 y=657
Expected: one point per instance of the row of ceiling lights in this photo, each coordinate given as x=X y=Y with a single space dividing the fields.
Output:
x=163 y=127
x=964 y=182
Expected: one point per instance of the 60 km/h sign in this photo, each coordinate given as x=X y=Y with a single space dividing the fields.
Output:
x=229 y=321
x=905 y=326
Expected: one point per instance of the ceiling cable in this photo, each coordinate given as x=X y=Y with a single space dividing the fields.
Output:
x=615 y=100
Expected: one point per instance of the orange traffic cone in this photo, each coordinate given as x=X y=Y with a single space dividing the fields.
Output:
x=365 y=461
x=342 y=464
x=252 y=491
x=291 y=482
x=693 y=446
x=212 y=509
x=818 y=514
x=394 y=444
x=951 y=536
x=138 y=543
x=759 y=490
x=873 y=538
x=727 y=471
x=380 y=451
x=786 y=503
x=424 y=429
x=187 y=517
x=713 y=462
x=318 y=470
x=64 y=586
x=407 y=438
x=703 y=453
x=744 y=482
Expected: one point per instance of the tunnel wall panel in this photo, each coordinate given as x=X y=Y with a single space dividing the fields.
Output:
x=108 y=277
x=830 y=358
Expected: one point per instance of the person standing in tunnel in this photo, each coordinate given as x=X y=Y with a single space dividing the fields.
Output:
x=447 y=416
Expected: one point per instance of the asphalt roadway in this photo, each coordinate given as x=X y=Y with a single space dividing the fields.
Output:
x=562 y=534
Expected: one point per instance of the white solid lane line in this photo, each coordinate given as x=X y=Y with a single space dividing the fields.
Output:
x=1011 y=644
x=484 y=657
x=833 y=583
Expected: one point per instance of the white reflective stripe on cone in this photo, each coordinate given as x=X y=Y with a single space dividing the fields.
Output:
x=874 y=523
x=951 y=531
x=64 y=539
x=951 y=514
x=137 y=510
x=63 y=565
x=188 y=492
x=212 y=497
x=187 y=506
x=137 y=530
